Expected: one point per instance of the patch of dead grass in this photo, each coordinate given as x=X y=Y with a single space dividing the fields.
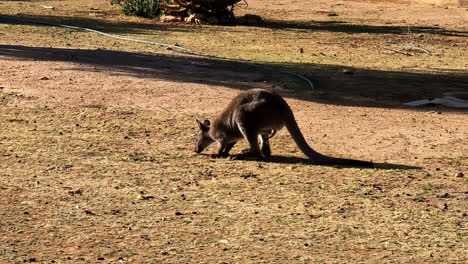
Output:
x=71 y=183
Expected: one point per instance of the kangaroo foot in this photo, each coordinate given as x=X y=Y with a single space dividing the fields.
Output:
x=247 y=154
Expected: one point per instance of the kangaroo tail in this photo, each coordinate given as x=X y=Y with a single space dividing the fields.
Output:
x=316 y=157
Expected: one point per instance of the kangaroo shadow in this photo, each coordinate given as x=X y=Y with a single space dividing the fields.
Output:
x=298 y=160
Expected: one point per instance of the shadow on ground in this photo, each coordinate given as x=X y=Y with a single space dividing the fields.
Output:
x=108 y=26
x=333 y=84
x=298 y=160
x=346 y=27
x=362 y=88
x=138 y=27
x=309 y=26
x=295 y=160
x=176 y=68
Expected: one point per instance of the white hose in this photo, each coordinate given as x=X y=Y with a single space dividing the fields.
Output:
x=175 y=47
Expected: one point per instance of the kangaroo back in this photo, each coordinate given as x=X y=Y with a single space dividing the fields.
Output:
x=316 y=157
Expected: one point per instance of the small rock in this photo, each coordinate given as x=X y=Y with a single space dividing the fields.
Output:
x=144 y=197
x=77 y=192
x=301 y=50
x=44 y=78
x=89 y=212
x=250 y=175
x=445 y=195
x=178 y=213
x=420 y=199
x=460 y=175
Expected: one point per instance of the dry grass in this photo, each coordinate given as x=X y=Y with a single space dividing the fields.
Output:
x=117 y=185
x=111 y=185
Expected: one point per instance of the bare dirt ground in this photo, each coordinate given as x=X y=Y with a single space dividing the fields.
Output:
x=97 y=164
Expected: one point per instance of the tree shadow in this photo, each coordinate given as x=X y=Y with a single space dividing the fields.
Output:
x=176 y=68
x=368 y=88
x=349 y=28
x=107 y=26
x=333 y=84
x=125 y=27
x=373 y=88
x=112 y=27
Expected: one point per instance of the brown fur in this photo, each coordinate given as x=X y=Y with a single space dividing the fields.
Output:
x=257 y=114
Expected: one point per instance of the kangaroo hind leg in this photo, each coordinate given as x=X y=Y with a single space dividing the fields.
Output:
x=252 y=138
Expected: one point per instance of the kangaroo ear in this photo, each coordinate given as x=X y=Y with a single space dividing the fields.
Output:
x=199 y=124
x=205 y=126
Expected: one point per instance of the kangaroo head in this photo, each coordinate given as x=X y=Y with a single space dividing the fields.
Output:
x=204 y=139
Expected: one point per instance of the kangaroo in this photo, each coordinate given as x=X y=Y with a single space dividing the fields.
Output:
x=256 y=115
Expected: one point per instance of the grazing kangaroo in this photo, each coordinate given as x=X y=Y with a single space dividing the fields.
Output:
x=258 y=114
